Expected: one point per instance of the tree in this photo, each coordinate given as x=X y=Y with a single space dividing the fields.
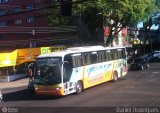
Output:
x=152 y=20
x=120 y=13
x=156 y=16
x=113 y=13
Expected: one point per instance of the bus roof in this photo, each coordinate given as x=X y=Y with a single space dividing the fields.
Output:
x=76 y=50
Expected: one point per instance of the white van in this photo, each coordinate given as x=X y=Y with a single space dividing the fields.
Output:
x=156 y=54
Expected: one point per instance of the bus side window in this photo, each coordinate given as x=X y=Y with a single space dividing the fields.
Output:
x=94 y=57
x=86 y=59
x=77 y=61
x=108 y=55
x=68 y=65
x=119 y=54
x=123 y=53
x=101 y=56
x=68 y=58
x=114 y=54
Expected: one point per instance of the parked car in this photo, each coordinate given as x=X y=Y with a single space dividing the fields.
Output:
x=139 y=64
x=153 y=57
x=148 y=57
x=156 y=54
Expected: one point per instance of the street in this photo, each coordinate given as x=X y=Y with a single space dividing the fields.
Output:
x=138 y=89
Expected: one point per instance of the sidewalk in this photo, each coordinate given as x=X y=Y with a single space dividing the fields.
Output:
x=13 y=84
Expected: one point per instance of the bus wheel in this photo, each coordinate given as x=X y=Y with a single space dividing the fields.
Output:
x=79 y=87
x=115 y=76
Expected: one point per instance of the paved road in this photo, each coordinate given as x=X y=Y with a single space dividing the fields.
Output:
x=140 y=89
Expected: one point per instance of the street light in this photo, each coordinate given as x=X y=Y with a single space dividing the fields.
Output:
x=150 y=39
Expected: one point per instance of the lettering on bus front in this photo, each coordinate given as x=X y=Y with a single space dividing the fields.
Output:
x=45 y=50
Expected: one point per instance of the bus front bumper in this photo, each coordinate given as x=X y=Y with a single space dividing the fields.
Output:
x=49 y=91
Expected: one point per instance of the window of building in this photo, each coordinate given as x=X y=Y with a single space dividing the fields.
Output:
x=2 y=24
x=29 y=6
x=3 y=36
x=17 y=10
x=30 y=19
x=3 y=1
x=11 y=10
x=18 y=21
x=18 y=35
x=10 y=22
x=2 y=12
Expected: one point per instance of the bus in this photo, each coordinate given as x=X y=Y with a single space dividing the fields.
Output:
x=74 y=69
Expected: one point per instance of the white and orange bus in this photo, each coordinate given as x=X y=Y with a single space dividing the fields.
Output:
x=75 y=69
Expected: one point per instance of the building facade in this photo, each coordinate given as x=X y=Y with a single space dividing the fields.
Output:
x=24 y=23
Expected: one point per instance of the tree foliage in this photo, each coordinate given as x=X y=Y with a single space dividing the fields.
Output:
x=113 y=13
x=152 y=20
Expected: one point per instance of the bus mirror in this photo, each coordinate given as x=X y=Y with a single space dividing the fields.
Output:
x=66 y=62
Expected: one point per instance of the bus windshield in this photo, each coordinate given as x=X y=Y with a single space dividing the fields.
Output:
x=48 y=71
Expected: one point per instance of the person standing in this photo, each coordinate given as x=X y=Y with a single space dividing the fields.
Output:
x=1 y=96
x=30 y=69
